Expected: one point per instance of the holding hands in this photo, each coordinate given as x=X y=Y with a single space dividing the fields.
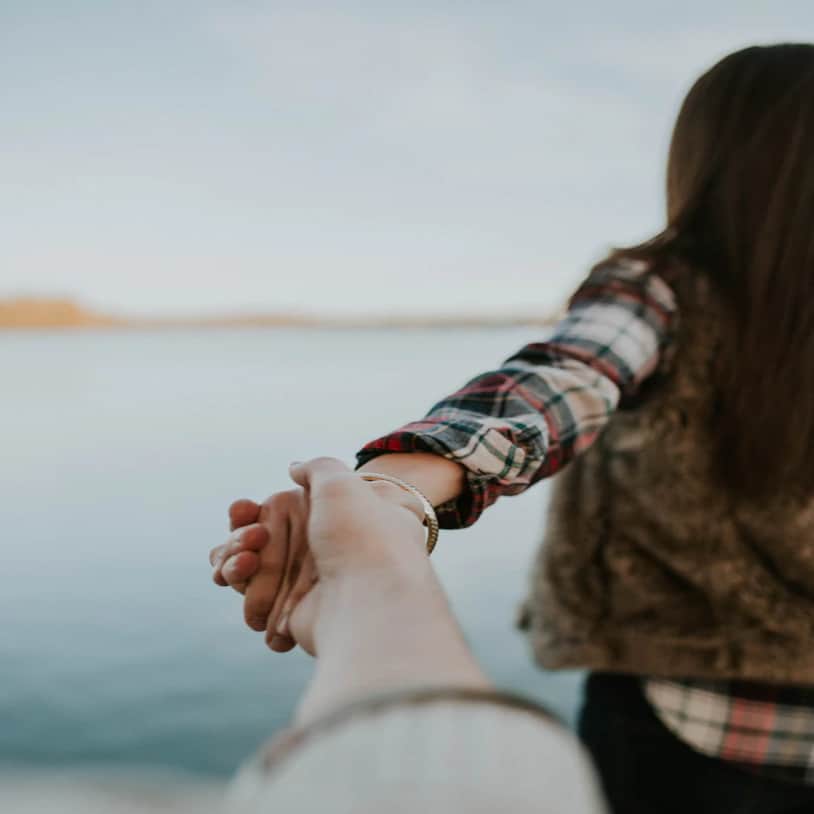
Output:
x=281 y=551
x=266 y=558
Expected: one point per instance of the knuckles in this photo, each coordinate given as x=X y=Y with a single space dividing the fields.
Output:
x=337 y=487
x=325 y=461
x=242 y=506
x=284 y=502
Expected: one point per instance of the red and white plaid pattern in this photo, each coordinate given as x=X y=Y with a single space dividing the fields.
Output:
x=762 y=727
x=525 y=421
x=513 y=426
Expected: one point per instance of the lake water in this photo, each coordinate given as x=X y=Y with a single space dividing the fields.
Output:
x=120 y=455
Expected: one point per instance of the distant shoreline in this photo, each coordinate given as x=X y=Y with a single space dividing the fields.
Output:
x=36 y=314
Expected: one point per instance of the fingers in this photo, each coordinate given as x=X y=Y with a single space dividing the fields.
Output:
x=216 y=559
x=216 y=554
x=302 y=621
x=313 y=474
x=250 y=538
x=303 y=582
x=297 y=551
x=240 y=568
x=243 y=512
x=282 y=644
x=262 y=592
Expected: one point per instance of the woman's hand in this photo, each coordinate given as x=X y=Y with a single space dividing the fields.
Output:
x=266 y=558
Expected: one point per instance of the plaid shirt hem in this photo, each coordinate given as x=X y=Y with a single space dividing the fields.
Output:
x=761 y=728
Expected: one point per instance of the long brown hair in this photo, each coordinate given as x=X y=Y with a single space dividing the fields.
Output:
x=740 y=209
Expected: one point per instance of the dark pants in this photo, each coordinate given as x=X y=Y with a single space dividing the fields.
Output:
x=645 y=769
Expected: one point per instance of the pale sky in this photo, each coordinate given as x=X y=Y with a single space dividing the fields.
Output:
x=180 y=156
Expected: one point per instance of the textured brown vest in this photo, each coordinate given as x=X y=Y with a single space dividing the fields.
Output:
x=649 y=566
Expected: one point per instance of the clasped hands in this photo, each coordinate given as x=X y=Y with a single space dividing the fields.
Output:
x=282 y=552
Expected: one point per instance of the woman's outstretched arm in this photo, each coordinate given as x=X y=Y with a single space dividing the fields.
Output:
x=508 y=428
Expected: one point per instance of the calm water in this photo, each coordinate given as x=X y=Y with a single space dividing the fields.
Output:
x=120 y=455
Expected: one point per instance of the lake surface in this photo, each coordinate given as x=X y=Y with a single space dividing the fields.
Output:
x=120 y=454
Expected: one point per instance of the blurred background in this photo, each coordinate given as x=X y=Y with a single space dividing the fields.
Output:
x=236 y=234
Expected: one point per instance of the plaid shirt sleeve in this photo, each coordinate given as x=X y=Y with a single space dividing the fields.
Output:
x=525 y=421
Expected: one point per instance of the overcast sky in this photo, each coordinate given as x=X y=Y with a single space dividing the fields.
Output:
x=195 y=156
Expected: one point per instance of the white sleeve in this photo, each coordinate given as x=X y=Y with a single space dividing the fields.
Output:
x=445 y=755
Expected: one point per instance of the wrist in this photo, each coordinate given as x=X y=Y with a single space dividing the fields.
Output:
x=410 y=498
x=437 y=477
x=394 y=631
x=379 y=580
x=366 y=600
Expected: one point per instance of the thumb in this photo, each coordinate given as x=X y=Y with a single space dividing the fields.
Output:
x=312 y=474
x=303 y=619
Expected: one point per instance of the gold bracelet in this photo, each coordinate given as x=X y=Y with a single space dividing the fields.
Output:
x=430 y=518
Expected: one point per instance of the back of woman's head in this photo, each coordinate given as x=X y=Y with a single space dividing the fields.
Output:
x=740 y=178
x=740 y=209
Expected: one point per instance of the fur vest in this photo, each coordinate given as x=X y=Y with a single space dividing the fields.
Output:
x=649 y=565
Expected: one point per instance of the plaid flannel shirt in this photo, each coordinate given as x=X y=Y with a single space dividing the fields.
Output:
x=513 y=426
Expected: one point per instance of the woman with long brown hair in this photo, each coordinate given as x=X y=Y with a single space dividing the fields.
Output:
x=678 y=564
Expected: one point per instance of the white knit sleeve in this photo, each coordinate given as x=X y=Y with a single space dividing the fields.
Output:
x=443 y=755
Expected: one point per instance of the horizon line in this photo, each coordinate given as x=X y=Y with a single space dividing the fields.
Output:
x=33 y=312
